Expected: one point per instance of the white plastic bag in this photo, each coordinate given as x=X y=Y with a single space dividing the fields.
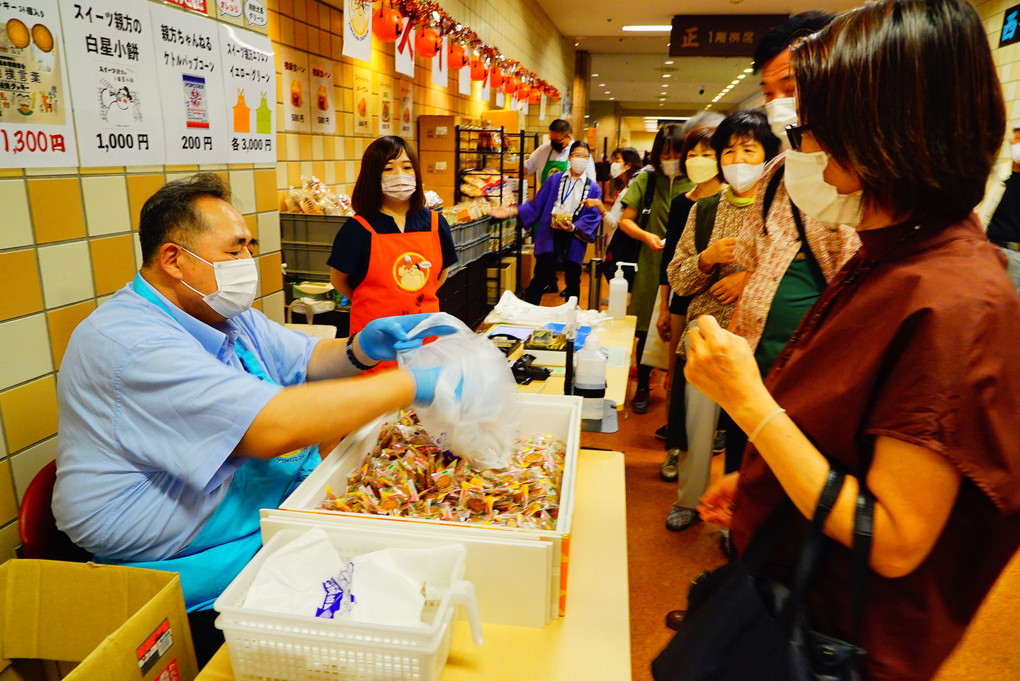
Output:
x=473 y=414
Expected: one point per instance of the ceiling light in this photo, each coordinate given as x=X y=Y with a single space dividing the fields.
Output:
x=576 y=44
x=649 y=28
x=734 y=82
x=594 y=75
x=670 y=61
x=666 y=75
x=662 y=93
x=748 y=70
x=606 y=92
x=612 y=98
x=741 y=77
x=664 y=85
x=661 y=104
x=602 y=84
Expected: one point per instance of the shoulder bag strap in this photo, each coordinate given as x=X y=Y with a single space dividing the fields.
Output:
x=770 y=193
x=704 y=221
x=864 y=525
x=814 y=546
x=646 y=200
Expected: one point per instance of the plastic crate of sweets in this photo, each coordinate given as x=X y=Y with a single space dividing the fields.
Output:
x=287 y=647
x=519 y=573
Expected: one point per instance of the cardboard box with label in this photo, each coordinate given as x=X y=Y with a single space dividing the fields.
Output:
x=437 y=133
x=437 y=169
x=88 y=622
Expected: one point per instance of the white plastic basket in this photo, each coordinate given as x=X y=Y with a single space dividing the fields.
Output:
x=272 y=646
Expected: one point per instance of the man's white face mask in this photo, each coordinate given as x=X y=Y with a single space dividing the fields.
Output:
x=781 y=113
x=237 y=282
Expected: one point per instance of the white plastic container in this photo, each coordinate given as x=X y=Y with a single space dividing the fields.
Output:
x=618 y=291
x=520 y=575
x=590 y=377
x=272 y=645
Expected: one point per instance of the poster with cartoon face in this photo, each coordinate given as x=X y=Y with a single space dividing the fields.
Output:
x=114 y=86
x=36 y=128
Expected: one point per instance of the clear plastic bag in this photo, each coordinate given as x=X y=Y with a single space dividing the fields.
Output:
x=473 y=415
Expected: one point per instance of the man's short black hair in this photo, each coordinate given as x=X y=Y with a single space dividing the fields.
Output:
x=559 y=125
x=170 y=214
x=784 y=35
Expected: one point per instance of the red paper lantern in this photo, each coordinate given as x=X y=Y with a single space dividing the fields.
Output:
x=456 y=58
x=495 y=78
x=478 y=69
x=523 y=91
x=428 y=43
x=510 y=85
x=535 y=97
x=387 y=24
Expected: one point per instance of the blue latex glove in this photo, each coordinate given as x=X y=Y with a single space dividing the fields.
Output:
x=425 y=386
x=381 y=338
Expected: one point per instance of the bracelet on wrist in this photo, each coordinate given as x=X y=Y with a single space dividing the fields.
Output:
x=355 y=362
x=764 y=422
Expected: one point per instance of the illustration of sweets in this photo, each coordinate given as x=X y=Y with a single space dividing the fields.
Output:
x=263 y=117
x=242 y=117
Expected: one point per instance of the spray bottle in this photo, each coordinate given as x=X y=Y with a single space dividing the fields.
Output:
x=618 y=291
x=590 y=378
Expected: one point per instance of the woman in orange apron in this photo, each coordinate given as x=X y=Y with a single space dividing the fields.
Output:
x=392 y=256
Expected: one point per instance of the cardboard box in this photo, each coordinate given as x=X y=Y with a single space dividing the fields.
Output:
x=437 y=133
x=446 y=194
x=114 y=622
x=437 y=169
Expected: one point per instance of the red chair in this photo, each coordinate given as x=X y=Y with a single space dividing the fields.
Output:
x=36 y=524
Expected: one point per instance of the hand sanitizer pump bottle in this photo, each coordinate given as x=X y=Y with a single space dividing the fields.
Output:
x=618 y=291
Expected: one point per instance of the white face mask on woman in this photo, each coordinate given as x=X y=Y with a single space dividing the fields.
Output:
x=670 y=167
x=579 y=165
x=805 y=183
x=236 y=284
x=701 y=169
x=399 y=187
x=615 y=169
x=781 y=113
x=742 y=176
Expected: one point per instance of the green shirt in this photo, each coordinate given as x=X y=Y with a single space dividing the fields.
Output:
x=646 y=281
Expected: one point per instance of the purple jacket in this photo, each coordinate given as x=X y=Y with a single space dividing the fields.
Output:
x=539 y=209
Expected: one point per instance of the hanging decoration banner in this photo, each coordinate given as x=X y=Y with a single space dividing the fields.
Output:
x=500 y=99
x=297 y=115
x=324 y=104
x=441 y=67
x=403 y=50
x=358 y=29
x=362 y=102
x=464 y=82
x=486 y=90
x=249 y=75
x=541 y=110
x=114 y=91
x=405 y=105
x=385 y=105
x=190 y=87
x=194 y=5
x=231 y=10
x=36 y=129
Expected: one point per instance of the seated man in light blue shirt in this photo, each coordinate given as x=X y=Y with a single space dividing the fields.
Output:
x=183 y=411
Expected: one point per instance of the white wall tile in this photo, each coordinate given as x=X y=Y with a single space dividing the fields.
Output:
x=66 y=273
x=26 y=350
x=242 y=185
x=28 y=462
x=170 y=177
x=103 y=299
x=293 y=147
x=272 y=306
x=3 y=443
x=17 y=222
x=106 y=204
x=269 y=231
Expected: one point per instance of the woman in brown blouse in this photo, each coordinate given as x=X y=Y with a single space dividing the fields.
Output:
x=904 y=372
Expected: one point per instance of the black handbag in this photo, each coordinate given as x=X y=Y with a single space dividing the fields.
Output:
x=742 y=626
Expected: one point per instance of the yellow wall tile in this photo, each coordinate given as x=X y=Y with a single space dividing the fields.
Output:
x=300 y=35
x=304 y=147
x=257 y=304
x=140 y=188
x=8 y=502
x=286 y=30
x=312 y=12
x=29 y=412
x=62 y=322
x=265 y=190
x=113 y=263
x=20 y=287
x=319 y=169
x=271 y=272
x=336 y=22
x=57 y=211
x=252 y=221
x=287 y=7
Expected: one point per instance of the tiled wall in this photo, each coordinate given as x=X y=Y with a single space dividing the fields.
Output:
x=68 y=237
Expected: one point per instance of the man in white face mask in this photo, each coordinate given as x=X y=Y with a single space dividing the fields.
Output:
x=183 y=411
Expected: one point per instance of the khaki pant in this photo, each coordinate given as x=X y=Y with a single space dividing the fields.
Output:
x=693 y=468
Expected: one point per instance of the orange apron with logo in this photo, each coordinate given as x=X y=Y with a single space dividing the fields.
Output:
x=402 y=277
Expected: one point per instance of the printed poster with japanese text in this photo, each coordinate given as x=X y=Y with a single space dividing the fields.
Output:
x=249 y=81
x=358 y=29
x=386 y=107
x=190 y=86
x=405 y=104
x=117 y=109
x=464 y=81
x=297 y=116
x=362 y=102
x=441 y=69
x=323 y=105
x=36 y=127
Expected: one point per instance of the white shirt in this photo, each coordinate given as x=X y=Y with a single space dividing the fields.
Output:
x=539 y=157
